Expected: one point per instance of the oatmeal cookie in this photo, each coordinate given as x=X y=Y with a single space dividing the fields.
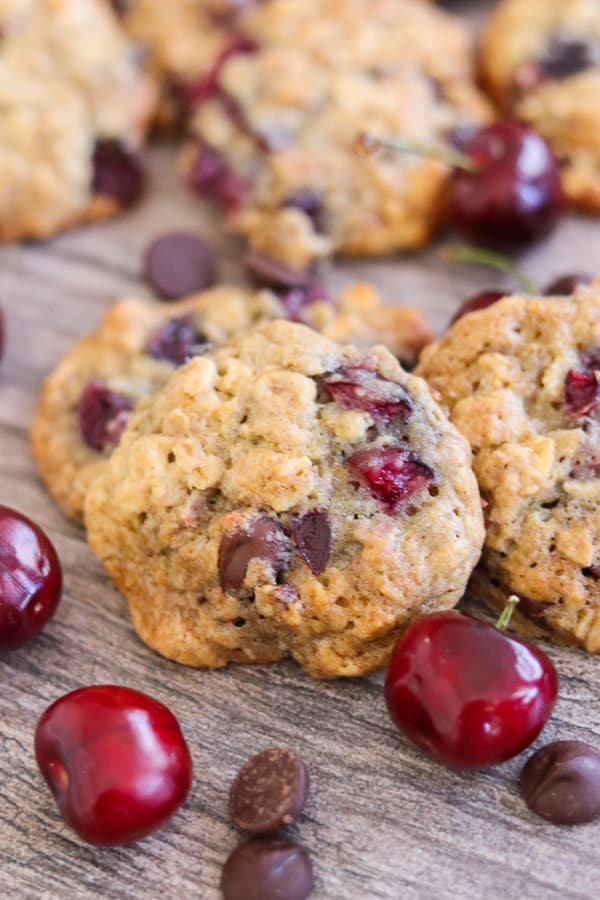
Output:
x=87 y=400
x=285 y=495
x=275 y=135
x=541 y=60
x=75 y=105
x=522 y=382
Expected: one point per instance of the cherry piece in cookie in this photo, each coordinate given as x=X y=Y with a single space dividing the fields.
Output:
x=30 y=579
x=179 y=264
x=392 y=475
x=118 y=173
x=262 y=539
x=116 y=762
x=467 y=693
x=312 y=534
x=103 y=415
x=269 y=792
x=582 y=387
x=267 y=869
x=211 y=177
x=561 y=783
x=177 y=341
x=513 y=195
x=357 y=387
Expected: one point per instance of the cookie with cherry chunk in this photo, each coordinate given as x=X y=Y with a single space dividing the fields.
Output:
x=541 y=61
x=286 y=495
x=86 y=402
x=521 y=380
x=76 y=102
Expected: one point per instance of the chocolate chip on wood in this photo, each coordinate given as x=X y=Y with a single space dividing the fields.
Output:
x=561 y=783
x=267 y=870
x=269 y=792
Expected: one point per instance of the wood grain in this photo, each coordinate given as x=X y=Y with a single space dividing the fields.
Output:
x=382 y=821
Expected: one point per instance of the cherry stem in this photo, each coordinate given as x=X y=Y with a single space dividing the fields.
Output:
x=506 y=614
x=367 y=144
x=466 y=253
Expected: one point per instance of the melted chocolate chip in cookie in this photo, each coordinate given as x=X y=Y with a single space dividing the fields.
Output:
x=262 y=539
x=312 y=534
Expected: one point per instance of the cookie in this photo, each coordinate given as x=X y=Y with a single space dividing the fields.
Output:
x=284 y=495
x=75 y=105
x=187 y=40
x=541 y=60
x=276 y=131
x=86 y=402
x=521 y=381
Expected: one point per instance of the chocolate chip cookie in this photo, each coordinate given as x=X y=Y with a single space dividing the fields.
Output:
x=522 y=382
x=276 y=127
x=87 y=400
x=284 y=495
x=541 y=60
x=75 y=104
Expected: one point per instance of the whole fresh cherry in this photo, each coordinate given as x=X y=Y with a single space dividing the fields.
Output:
x=566 y=285
x=476 y=302
x=512 y=194
x=115 y=761
x=467 y=693
x=30 y=579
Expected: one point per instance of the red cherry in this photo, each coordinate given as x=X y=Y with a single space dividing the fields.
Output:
x=30 y=579
x=115 y=761
x=478 y=301
x=467 y=693
x=514 y=194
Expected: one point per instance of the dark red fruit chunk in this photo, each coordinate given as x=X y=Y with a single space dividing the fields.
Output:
x=116 y=762
x=515 y=196
x=296 y=299
x=312 y=535
x=391 y=474
x=267 y=869
x=118 y=173
x=273 y=273
x=566 y=57
x=30 y=579
x=561 y=783
x=567 y=285
x=103 y=415
x=208 y=85
x=478 y=301
x=311 y=204
x=180 y=263
x=262 y=539
x=211 y=177
x=356 y=387
x=177 y=341
x=582 y=387
x=467 y=693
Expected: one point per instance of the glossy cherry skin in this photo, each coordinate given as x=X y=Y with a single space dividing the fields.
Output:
x=115 y=761
x=465 y=692
x=30 y=579
x=515 y=197
x=477 y=302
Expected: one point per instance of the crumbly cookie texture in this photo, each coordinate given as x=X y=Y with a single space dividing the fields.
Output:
x=73 y=98
x=284 y=495
x=522 y=382
x=86 y=401
x=276 y=134
x=541 y=60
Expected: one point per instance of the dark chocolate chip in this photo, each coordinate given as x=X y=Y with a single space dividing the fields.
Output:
x=269 y=792
x=177 y=341
x=267 y=869
x=118 y=172
x=262 y=539
x=269 y=271
x=180 y=263
x=566 y=57
x=567 y=285
x=103 y=415
x=312 y=534
x=295 y=299
x=561 y=782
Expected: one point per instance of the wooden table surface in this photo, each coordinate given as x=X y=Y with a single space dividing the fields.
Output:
x=382 y=821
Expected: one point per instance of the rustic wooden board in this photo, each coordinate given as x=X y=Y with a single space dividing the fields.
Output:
x=382 y=821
